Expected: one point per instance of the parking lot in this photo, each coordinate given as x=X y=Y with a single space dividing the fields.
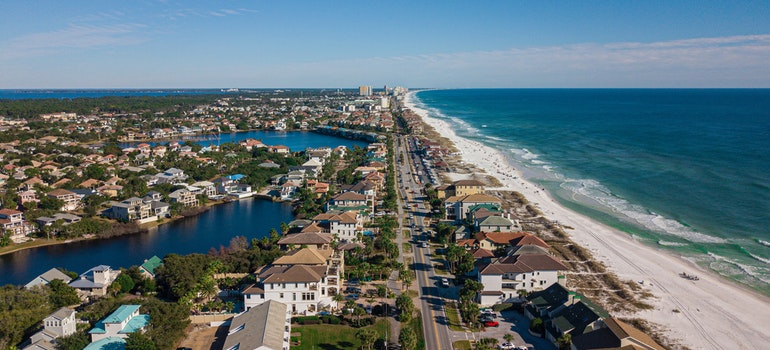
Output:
x=510 y=322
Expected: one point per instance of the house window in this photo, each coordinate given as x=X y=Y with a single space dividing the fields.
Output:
x=248 y=296
x=293 y=296
x=280 y=295
x=283 y=285
x=308 y=296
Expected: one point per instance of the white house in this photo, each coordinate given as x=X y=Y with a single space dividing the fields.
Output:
x=305 y=279
x=343 y=225
x=61 y=323
x=120 y=323
x=95 y=281
x=504 y=278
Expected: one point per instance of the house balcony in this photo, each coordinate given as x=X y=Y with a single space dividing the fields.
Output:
x=313 y=287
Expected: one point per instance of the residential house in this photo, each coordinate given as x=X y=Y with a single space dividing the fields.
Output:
x=208 y=188
x=343 y=225
x=149 y=265
x=614 y=334
x=288 y=189
x=280 y=149
x=495 y=223
x=61 y=323
x=348 y=201
x=120 y=323
x=47 y=277
x=266 y=326
x=70 y=199
x=183 y=196
x=315 y=239
x=457 y=207
x=305 y=279
x=504 y=278
x=13 y=221
x=94 y=282
x=131 y=209
x=28 y=197
x=578 y=318
x=171 y=175
x=497 y=241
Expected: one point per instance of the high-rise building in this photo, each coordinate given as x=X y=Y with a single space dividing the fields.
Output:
x=365 y=90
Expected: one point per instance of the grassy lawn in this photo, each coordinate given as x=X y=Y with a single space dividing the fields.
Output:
x=333 y=337
x=454 y=317
x=410 y=293
x=407 y=233
x=462 y=345
x=407 y=247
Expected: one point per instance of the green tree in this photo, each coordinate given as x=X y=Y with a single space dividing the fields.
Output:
x=62 y=294
x=407 y=338
x=564 y=342
x=405 y=308
x=139 y=341
x=76 y=341
x=125 y=282
x=367 y=336
x=50 y=203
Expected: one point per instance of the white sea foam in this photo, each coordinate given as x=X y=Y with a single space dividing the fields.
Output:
x=749 y=270
x=671 y=244
x=766 y=261
x=764 y=243
x=595 y=191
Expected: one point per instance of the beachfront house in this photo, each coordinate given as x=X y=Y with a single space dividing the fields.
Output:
x=263 y=327
x=458 y=207
x=614 y=334
x=501 y=241
x=319 y=240
x=504 y=278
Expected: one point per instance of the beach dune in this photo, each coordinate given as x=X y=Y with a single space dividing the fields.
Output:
x=708 y=313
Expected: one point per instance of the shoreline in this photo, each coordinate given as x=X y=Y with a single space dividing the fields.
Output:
x=143 y=228
x=699 y=323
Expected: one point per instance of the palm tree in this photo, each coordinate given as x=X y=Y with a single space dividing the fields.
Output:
x=508 y=337
x=338 y=298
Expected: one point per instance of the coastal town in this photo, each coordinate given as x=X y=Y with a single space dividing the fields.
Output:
x=398 y=244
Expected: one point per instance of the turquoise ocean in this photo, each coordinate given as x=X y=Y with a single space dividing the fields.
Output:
x=684 y=170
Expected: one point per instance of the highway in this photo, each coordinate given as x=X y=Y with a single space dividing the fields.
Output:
x=431 y=303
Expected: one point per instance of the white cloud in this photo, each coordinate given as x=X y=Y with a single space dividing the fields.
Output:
x=71 y=37
x=735 y=61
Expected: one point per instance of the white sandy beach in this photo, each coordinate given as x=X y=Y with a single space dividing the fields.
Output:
x=714 y=313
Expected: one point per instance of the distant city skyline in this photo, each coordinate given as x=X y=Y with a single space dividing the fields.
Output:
x=346 y=44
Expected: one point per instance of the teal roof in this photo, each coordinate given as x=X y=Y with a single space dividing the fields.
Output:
x=487 y=206
x=109 y=343
x=151 y=264
x=118 y=316
x=136 y=323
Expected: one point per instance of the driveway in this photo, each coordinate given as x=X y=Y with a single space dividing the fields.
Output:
x=511 y=322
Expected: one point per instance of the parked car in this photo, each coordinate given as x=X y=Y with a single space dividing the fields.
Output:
x=424 y=244
x=491 y=324
x=324 y=313
x=444 y=282
x=506 y=346
x=351 y=297
x=354 y=290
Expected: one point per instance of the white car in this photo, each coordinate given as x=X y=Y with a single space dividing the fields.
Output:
x=444 y=282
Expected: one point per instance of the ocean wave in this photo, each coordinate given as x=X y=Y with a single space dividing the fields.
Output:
x=764 y=243
x=524 y=153
x=755 y=272
x=595 y=191
x=671 y=244
x=766 y=261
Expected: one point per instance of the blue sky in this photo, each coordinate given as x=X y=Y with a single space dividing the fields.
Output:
x=441 y=44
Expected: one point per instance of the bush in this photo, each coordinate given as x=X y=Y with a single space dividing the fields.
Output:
x=502 y=307
x=331 y=319
x=306 y=320
x=361 y=322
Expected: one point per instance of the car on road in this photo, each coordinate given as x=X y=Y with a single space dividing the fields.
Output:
x=491 y=324
x=424 y=244
x=444 y=282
